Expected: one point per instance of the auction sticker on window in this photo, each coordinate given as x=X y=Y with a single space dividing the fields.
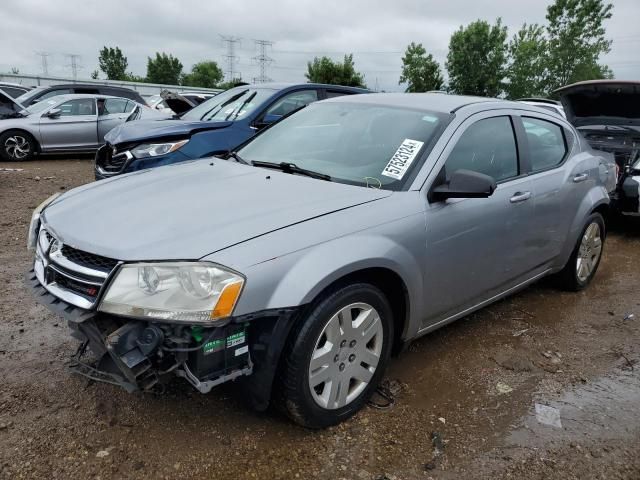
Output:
x=402 y=159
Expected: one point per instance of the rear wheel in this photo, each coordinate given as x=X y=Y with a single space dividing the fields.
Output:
x=17 y=146
x=337 y=357
x=586 y=256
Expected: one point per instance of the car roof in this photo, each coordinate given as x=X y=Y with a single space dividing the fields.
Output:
x=434 y=102
x=539 y=100
x=83 y=85
x=74 y=96
x=284 y=85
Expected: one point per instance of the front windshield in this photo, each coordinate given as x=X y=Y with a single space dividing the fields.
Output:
x=233 y=104
x=369 y=145
x=42 y=106
x=26 y=96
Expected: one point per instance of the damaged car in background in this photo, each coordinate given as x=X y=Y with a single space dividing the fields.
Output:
x=297 y=265
x=607 y=113
x=65 y=123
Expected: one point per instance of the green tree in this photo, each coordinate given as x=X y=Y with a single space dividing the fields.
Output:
x=95 y=74
x=113 y=63
x=477 y=58
x=576 y=37
x=204 y=74
x=420 y=71
x=325 y=70
x=164 y=69
x=527 y=63
x=15 y=71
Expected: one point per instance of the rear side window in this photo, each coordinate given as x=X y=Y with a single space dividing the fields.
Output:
x=547 y=146
x=336 y=93
x=114 y=105
x=488 y=146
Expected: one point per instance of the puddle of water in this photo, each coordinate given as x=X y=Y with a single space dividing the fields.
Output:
x=606 y=408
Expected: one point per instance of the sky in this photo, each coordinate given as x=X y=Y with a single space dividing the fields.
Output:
x=376 y=32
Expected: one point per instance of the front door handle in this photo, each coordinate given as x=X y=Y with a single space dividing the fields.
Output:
x=520 y=197
x=581 y=177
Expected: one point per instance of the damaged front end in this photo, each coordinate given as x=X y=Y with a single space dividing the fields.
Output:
x=141 y=324
x=138 y=355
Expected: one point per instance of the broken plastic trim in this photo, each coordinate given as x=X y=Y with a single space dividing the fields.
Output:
x=206 y=386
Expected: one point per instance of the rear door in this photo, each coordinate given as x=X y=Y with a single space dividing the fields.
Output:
x=111 y=113
x=75 y=127
x=558 y=185
x=476 y=247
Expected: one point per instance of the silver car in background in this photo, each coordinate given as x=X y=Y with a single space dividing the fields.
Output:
x=66 y=123
x=297 y=264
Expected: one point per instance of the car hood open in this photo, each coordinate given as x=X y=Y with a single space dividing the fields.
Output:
x=141 y=130
x=601 y=102
x=186 y=211
x=176 y=102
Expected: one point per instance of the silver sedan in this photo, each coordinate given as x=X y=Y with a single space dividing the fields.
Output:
x=66 y=123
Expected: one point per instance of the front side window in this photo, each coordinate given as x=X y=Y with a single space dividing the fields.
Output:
x=292 y=101
x=488 y=146
x=77 y=107
x=547 y=147
x=367 y=145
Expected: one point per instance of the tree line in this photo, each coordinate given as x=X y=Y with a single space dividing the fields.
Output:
x=481 y=60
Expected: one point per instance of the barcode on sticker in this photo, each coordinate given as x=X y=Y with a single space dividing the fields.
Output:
x=242 y=350
x=402 y=159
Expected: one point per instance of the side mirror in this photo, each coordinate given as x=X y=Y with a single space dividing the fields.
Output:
x=54 y=113
x=267 y=120
x=465 y=184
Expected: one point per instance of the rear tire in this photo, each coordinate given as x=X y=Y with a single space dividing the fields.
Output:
x=17 y=146
x=337 y=356
x=586 y=256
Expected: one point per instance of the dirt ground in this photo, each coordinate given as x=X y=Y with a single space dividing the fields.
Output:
x=466 y=395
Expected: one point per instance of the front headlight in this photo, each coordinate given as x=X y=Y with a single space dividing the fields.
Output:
x=189 y=292
x=32 y=236
x=147 y=150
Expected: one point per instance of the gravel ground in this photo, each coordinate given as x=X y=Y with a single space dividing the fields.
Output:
x=465 y=405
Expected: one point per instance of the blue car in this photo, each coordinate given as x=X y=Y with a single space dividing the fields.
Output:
x=215 y=127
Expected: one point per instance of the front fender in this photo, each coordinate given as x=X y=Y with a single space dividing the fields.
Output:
x=596 y=197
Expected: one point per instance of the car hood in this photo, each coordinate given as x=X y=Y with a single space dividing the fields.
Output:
x=177 y=102
x=601 y=102
x=187 y=211
x=141 y=130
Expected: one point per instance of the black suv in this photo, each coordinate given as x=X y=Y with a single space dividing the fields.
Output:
x=41 y=93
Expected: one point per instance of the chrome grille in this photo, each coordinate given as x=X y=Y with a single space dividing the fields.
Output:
x=111 y=161
x=72 y=275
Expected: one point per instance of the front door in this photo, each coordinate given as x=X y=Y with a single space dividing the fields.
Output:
x=74 y=127
x=474 y=245
x=111 y=113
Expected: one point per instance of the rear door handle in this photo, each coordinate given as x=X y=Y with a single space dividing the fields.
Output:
x=520 y=197
x=581 y=177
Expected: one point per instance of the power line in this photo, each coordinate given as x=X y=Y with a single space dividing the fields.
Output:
x=75 y=64
x=45 y=66
x=263 y=60
x=231 y=57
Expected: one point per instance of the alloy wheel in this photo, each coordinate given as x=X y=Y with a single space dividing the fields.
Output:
x=345 y=356
x=17 y=147
x=589 y=252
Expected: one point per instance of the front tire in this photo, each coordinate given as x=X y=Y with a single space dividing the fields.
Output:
x=586 y=256
x=337 y=356
x=17 y=146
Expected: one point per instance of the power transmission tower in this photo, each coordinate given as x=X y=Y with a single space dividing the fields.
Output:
x=230 y=42
x=75 y=64
x=45 y=62
x=263 y=60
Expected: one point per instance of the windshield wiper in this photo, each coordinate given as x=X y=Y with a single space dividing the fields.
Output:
x=291 y=168
x=238 y=158
x=220 y=107
x=242 y=105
